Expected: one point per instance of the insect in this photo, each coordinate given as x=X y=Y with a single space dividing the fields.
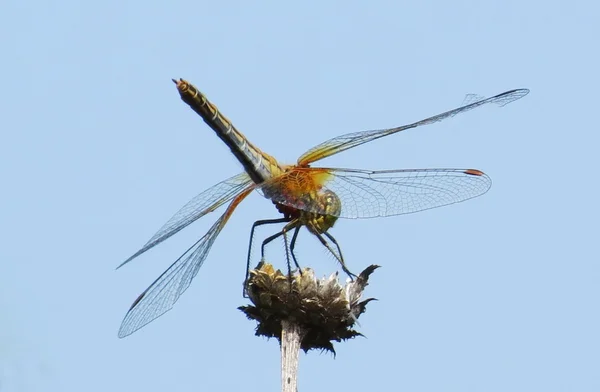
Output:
x=311 y=197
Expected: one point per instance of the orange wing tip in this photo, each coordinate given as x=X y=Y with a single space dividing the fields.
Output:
x=474 y=172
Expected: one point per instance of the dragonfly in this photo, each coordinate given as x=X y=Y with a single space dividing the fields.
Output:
x=310 y=197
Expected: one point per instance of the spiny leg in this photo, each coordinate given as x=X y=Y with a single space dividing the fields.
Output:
x=254 y=226
x=293 y=245
x=293 y=224
x=267 y=241
x=332 y=239
x=339 y=257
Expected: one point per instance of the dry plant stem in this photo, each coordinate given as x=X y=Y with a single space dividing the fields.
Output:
x=291 y=337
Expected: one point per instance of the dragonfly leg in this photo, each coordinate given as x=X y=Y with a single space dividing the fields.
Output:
x=290 y=250
x=338 y=255
x=250 y=242
x=332 y=239
x=293 y=245
x=287 y=255
x=267 y=241
x=270 y=239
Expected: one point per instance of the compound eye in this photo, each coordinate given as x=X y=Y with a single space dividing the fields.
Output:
x=332 y=203
x=329 y=195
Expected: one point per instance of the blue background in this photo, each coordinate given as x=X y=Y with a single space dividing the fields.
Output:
x=97 y=151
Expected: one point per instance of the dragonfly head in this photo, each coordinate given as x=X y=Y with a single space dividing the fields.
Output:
x=330 y=203
x=329 y=207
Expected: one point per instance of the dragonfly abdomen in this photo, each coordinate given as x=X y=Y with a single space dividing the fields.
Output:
x=259 y=165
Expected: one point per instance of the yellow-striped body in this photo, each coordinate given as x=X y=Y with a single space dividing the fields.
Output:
x=259 y=165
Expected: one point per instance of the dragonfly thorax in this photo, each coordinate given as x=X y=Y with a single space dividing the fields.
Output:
x=325 y=208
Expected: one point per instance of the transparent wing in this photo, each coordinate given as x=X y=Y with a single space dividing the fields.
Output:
x=162 y=294
x=344 y=142
x=205 y=202
x=370 y=194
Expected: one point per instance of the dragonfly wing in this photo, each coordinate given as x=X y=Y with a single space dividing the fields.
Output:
x=161 y=295
x=370 y=194
x=205 y=202
x=344 y=142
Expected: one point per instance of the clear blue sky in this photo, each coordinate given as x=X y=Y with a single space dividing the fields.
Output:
x=97 y=151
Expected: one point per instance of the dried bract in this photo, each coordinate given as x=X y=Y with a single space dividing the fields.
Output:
x=325 y=310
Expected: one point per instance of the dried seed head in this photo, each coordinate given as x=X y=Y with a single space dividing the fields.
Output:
x=325 y=310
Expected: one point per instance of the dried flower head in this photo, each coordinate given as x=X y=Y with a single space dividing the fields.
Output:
x=323 y=309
